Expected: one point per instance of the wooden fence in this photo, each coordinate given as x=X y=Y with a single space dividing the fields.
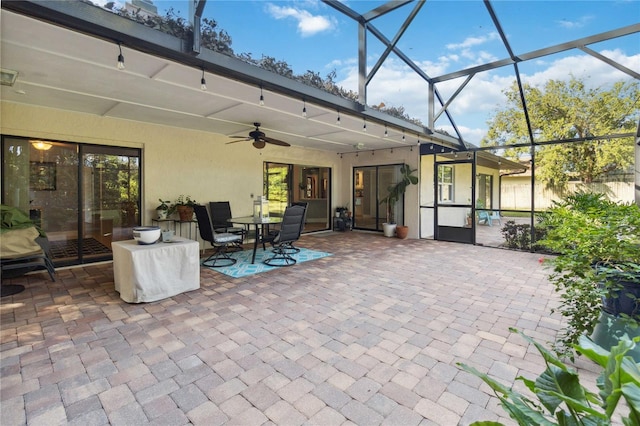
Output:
x=517 y=196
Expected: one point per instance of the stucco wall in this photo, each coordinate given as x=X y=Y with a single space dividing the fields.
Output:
x=200 y=164
x=175 y=161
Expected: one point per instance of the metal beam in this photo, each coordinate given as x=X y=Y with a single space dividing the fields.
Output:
x=576 y=44
x=498 y=26
x=385 y=8
x=395 y=40
x=611 y=62
x=344 y=9
x=457 y=92
x=198 y=8
x=362 y=63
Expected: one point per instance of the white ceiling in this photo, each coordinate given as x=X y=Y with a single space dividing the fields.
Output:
x=64 y=69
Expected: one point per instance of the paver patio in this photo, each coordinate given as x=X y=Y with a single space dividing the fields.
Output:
x=370 y=335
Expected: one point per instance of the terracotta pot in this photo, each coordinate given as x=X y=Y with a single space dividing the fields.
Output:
x=185 y=213
x=402 y=231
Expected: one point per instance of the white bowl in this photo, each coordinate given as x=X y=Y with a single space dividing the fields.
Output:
x=146 y=234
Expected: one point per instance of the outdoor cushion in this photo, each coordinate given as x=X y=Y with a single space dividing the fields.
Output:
x=16 y=243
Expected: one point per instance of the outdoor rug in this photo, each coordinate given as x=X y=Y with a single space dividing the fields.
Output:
x=243 y=266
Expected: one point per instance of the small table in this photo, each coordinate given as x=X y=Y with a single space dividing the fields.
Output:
x=147 y=273
x=259 y=225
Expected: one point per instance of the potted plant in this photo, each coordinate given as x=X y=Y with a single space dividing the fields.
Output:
x=395 y=192
x=597 y=267
x=184 y=206
x=162 y=210
x=557 y=397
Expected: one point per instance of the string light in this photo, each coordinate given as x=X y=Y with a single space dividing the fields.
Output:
x=338 y=119
x=386 y=133
x=261 y=97
x=120 y=58
x=403 y=138
x=304 y=108
x=203 y=82
x=364 y=126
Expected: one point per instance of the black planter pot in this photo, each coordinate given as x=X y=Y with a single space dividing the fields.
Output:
x=623 y=299
x=623 y=291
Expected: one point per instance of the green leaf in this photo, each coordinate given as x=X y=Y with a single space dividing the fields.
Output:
x=631 y=393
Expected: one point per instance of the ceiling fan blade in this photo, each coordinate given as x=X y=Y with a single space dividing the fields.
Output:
x=238 y=137
x=276 y=142
x=239 y=140
x=259 y=144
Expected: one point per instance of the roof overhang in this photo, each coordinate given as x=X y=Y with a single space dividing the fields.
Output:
x=65 y=54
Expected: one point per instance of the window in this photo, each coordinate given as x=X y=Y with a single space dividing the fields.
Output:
x=484 y=191
x=445 y=184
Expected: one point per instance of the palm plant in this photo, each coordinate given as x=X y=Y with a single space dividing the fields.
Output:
x=397 y=190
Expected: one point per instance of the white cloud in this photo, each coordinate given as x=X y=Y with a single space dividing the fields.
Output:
x=581 y=22
x=308 y=24
x=473 y=41
x=397 y=85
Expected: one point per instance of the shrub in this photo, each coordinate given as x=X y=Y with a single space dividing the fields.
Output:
x=587 y=230
x=561 y=398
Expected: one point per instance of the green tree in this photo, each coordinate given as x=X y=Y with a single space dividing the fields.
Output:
x=569 y=110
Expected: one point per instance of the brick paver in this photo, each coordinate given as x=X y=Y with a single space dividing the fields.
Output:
x=370 y=335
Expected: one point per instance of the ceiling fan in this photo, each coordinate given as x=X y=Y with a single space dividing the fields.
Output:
x=259 y=138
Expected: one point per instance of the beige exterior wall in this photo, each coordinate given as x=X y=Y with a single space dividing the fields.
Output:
x=200 y=164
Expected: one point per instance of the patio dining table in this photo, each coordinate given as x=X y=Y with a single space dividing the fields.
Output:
x=260 y=226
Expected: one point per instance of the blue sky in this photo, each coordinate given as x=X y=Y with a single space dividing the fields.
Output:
x=446 y=36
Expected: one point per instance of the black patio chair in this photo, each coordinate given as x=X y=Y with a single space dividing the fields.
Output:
x=290 y=229
x=304 y=204
x=219 y=240
x=220 y=215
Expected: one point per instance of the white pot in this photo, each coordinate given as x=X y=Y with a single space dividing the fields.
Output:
x=389 y=229
x=146 y=234
x=162 y=214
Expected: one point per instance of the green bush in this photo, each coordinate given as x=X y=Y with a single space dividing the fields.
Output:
x=518 y=236
x=585 y=229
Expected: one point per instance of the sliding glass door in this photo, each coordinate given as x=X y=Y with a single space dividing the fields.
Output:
x=285 y=184
x=369 y=187
x=110 y=197
x=82 y=196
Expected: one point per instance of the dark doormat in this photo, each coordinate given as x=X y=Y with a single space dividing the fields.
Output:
x=69 y=248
